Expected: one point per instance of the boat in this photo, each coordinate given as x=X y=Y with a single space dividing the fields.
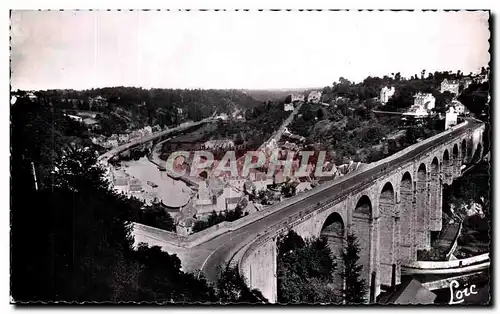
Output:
x=153 y=184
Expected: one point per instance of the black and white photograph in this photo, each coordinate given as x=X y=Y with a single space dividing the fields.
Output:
x=252 y=157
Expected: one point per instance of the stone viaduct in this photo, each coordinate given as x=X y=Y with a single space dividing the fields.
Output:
x=392 y=216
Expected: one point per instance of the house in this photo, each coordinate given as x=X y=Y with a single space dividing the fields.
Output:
x=451 y=86
x=450 y=118
x=185 y=225
x=416 y=112
x=110 y=143
x=91 y=123
x=31 y=96
x=297 y=97
x=466 y=82
x=223 y=116
x=249 y=186
x=290 y=146
x=232 y=202
x=302 y=186
x=218 y=144
x=148 y=130
x=75 y=118
x=239 y=118
x=228 y=199
x=135 y=185
x=123 y=138
x=459 y=107
x=288 y=107
x=424 y=100
x=294 y=137
x=98 y=101
x=386 y=93
x=314 y=97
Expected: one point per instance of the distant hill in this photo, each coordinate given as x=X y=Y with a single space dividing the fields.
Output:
x=275 y=94
x=139 y=106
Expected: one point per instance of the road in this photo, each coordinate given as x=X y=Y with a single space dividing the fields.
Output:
x=210 y=255
x=109 y=154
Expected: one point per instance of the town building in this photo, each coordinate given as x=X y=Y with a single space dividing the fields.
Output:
x=240 y=117
x=148 y=130
x=123 y=138
x=423 y=103
x=31 y=96
x=223 y=116
x=218 y=144
x=297 y=97
x=481 y=78
x=75 y=118
x=416 y=112
x=424 y=100
x=288 y=107
x=135 y=185
x=459 y=107
x=314 y=97
x=386 y=93
x=451 y=86
x=466 y=82
x=185 y=226
x=91 y=123
x=98 y=101
x=451 y=118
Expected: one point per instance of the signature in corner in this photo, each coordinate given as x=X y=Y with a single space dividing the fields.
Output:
x=457 y=296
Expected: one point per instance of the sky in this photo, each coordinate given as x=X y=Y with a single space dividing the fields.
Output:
x=250 y=50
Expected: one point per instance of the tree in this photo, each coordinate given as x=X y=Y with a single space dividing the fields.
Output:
x=231 y=288
x=305 y=270
x=355 y=287
x=81 y=228
x=155 y=216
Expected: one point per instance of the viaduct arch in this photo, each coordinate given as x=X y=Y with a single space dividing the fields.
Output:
x=393 y=214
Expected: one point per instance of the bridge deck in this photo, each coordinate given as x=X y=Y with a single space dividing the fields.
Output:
x=209 y=255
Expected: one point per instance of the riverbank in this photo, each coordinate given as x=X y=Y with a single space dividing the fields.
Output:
x=173 y=193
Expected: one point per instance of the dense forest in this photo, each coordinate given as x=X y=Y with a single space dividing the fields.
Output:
x=131 y=107
x=306 y=271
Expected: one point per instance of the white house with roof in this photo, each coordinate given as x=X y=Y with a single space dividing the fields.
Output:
x=288 y=107
x=416 y=112
x=422 y=104
x=459 y=107
x=298 y=97
x=386 y=93
x=466 y=82
x=314 y=97
x=451 y=86
x=212 y=144
x=424 y=100
x=451 y=118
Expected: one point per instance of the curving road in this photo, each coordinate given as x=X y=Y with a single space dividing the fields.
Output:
x=109 y=154
x=209 y=255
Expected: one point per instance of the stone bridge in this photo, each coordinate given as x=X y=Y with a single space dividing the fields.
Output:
x=392 y=214
x=392 y=206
